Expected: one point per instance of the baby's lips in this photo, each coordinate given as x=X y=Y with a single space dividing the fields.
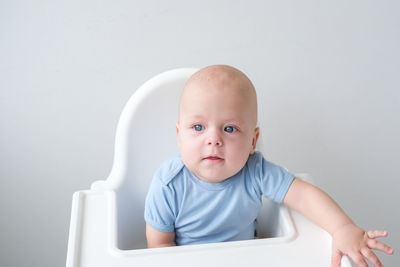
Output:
x=214 y=158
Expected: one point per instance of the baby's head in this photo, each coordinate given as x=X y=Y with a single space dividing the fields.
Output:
x=217 y=122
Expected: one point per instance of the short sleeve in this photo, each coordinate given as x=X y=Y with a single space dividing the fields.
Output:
x=159 y=211
x=269 y=180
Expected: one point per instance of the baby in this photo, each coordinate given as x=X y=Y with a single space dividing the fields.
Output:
x=212 y=191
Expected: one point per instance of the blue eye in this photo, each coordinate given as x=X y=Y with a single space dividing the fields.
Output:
x=230 y=129
x=198 y=127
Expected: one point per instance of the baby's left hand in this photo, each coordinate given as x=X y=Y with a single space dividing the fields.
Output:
x=357 y=244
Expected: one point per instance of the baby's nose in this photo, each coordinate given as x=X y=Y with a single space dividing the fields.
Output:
x=216 y=142
x=214 y=139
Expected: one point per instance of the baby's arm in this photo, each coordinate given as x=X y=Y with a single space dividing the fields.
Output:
x=156 y=239
x=348 y=238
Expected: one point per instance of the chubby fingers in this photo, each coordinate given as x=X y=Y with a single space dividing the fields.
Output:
x=377 y=233
x=336 y=258
x=370 y=255
x=375 y=244
x=358 y=259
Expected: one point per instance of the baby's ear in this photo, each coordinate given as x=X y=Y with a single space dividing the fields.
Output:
x=255 y=138
x=177 y=135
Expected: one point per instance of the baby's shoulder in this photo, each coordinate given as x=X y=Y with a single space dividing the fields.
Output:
x=169 y=169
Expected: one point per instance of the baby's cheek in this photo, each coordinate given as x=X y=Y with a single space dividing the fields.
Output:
x=240 y=159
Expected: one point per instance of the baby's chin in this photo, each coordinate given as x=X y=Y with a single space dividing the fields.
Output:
x=214 y=177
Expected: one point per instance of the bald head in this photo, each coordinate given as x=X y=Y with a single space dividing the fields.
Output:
x=221 y=75
x=221 y=79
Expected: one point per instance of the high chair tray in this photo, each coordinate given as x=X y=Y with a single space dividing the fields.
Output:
x=94 y=227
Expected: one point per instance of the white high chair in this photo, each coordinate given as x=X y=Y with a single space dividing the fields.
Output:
x=107 y=226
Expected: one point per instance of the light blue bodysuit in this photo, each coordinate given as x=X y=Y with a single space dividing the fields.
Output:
x=201 y=212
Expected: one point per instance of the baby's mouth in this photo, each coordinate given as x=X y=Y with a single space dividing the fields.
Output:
x=213 y=158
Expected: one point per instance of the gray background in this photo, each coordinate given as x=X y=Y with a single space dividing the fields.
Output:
x=327 y=75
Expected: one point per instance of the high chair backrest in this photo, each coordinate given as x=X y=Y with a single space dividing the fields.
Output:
x=146 y=136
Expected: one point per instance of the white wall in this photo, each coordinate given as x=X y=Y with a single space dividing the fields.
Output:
x=327 y=73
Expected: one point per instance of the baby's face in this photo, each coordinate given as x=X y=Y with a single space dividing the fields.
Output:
x=216 y=130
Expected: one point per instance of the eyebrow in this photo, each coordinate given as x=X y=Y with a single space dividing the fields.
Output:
x=234 y=121
x=195 y=117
